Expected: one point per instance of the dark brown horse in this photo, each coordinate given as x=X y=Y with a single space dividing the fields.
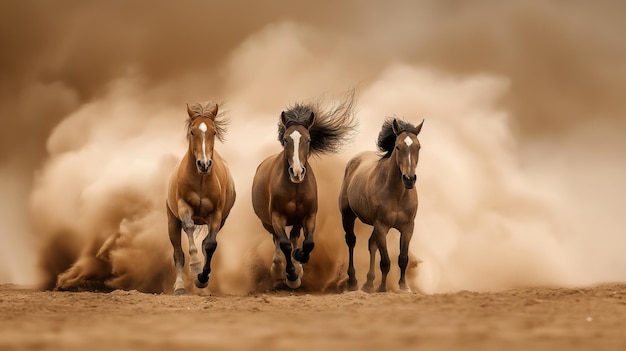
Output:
x=380 y=191
x=201 y=192
x=284 y=189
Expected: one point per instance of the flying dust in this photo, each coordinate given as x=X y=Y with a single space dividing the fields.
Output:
x=520 y=178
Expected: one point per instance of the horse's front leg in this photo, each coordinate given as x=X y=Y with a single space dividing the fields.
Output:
x=303 y=255
x=380 y=236
x=174 y=226
x=278 y=223
x=371 y=273
x=403 y=259
x=294 y=236
x=209 y=245
x=184 y=213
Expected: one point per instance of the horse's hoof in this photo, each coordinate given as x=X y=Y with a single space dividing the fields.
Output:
x=195 y=268
x=368 y=287
x=294 y=284
x=199 y=284
x=179 y=292
x=405 y=289
x=352 y=286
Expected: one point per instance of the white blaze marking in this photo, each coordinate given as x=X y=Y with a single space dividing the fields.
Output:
x=295 y=136
x=203 y=128
x=408 y=141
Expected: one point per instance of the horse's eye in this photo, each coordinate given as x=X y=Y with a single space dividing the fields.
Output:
x=191 y=132
x=397 y=147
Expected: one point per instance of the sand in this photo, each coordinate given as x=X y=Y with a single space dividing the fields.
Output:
x=523 y=319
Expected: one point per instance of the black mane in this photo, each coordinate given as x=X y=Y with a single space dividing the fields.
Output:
x=387 y=138
x=332 y=127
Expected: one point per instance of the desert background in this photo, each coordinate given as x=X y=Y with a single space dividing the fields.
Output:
x=520 y=227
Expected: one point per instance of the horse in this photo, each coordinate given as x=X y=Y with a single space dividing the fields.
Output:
x=201 y=191
x=380 y=192
x=284 y=189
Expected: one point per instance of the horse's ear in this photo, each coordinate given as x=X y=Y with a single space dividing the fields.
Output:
x=419 y=127
x=190 y=112
x=283 y=118
x=395 y=127
x=311 y=120
x=213 y=111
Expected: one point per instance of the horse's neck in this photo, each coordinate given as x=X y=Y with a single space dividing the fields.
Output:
x=390 y=172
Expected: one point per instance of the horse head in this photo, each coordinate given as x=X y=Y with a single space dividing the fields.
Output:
x=201 y=132
x=407 y=148
x=296 y=141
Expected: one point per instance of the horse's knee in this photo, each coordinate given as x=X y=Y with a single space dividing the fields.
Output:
x=308 y=246
x=210 y=246
x=285 y=246
x=403 y=261
x=385 y=265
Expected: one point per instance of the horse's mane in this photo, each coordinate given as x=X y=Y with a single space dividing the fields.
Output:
x=332 y=128
x=206 y=110
x=387 y=138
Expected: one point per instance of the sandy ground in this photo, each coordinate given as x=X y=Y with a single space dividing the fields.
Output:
x=538 y=319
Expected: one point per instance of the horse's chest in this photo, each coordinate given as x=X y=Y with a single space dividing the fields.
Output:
x=202 y=206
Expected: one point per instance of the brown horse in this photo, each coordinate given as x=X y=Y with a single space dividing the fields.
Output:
x=201 y=192
x=380 y=191
x=284 y=189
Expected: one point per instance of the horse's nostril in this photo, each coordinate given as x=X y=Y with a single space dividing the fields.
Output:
x=414 y=177
x=210 y=163
x=291 y=171
x=199 y=163
x=303 y=171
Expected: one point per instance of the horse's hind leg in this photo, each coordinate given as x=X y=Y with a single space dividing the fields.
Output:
x=348 y=218
x=174 y=226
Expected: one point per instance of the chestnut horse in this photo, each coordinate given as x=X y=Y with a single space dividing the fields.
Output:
x=380 y=191
x=201 y=192
x=284 y=189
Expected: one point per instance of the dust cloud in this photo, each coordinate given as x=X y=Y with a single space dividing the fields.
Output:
x=520 y=177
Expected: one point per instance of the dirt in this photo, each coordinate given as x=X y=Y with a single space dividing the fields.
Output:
x=534 y=318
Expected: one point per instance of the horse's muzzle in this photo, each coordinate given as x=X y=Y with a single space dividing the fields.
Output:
x=297 y=177
x=409 y=181
x=204 y=167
